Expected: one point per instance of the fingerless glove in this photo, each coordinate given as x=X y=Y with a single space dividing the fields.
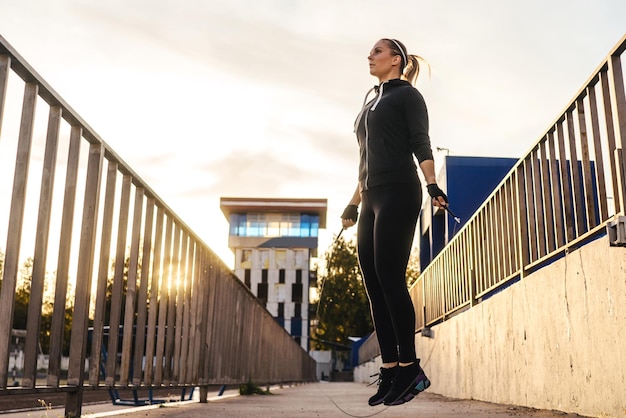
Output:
x=350 y=212
x=434 y=191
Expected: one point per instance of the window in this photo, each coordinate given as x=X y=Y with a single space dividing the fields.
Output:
x=264 y=276
x=296 y=327
x=274 y=224
x=298 y=276
x=238 y=224
x=281 y=310
x=246 y=259
x=290 y=226
x=261 y=292
x=296 y=292
x=247 y=273
x=281 y=276
x=309 y=225
x=254 y=225
x=297 y=310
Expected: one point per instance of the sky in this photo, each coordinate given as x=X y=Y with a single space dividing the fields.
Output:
x=257 y=98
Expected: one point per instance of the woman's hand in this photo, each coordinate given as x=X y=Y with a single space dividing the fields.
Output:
x=439 y=197
x=349 y=216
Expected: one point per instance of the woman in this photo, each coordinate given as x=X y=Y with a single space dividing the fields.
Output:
x=392 y=128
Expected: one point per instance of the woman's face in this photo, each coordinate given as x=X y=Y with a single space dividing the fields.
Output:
x=383 y=64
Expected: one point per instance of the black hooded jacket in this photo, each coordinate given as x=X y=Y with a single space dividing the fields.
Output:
x=390 y=129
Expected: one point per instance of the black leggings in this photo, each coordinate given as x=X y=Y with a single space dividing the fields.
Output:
x=385 y=236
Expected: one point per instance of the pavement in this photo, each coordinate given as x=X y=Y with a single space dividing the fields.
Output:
x=321 y=399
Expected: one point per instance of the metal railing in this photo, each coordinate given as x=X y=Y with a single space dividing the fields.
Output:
x=563 y=192
x=560 y=194
x=123 y=261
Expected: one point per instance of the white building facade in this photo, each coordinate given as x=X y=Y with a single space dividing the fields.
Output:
x=273 y=241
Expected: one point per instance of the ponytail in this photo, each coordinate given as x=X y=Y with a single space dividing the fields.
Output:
x=410 y=63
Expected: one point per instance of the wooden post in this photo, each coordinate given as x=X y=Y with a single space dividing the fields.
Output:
x=78 y=340
x=14 y=233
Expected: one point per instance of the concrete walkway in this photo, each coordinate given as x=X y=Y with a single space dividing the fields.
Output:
x=330 y=400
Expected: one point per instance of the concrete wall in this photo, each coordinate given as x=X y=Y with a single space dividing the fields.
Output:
x=554 y=340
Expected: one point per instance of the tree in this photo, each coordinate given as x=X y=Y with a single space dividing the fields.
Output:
x=343 y=309
x=413 y=268
x=22 y=294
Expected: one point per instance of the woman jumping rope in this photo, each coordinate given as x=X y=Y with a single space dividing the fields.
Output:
x=391 y=128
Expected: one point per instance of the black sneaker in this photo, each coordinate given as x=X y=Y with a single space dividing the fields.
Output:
x=409 y=381
x=385 y=380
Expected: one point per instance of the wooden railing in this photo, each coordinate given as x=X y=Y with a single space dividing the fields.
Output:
x=124 y=261
x=563 y=192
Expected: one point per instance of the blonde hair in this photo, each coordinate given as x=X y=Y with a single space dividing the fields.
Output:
x=410 y=63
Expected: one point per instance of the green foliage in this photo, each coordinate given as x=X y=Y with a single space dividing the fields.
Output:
x=252 y=389
x=343 y=306
x=413 y=268
x=22 y=294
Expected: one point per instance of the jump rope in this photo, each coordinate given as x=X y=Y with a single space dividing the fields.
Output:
x=457 y=221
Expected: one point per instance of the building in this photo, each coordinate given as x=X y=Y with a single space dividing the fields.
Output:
x=273 y=241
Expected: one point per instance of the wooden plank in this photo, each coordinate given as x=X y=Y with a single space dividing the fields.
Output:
x=180 y=307
x=205 y=306
x=130 y=331
x=591 y=214
x=446 y=298
x=33 y=321
x=566 y=184
x=522 y=220
x=214 y=338
x=556 y=193
x=531 y=224
x=142 y=298
x=620 y=161
x=84 y=273
x=244 y=365
x=239 y=358
x=103 y=274
x=195 y=362
x=118 y=282
x=478 y=255
x=5 y=65
x=501 y=232
x=620 y=108
x=57 y=325
x=14 y=232
x=546 y=187
x=171 y=308
x=511 y=212
x=153 y=297
x=186 y=325
x=495 y=234
x=599 y=158
x=505 y=209
x=539 y=210
x=41 y=244
x=228 y=333
x=576 y=176
x=610 y=134
x=163 y=302
x=466 y=255
x=489 y=244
